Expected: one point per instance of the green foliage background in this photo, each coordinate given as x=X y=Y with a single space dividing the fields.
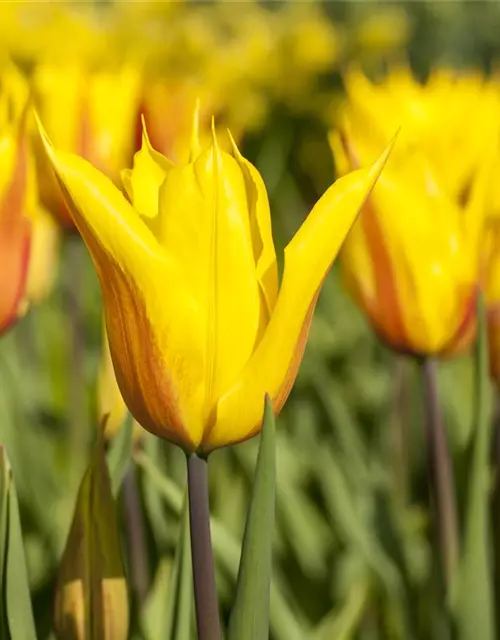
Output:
x=354 y=553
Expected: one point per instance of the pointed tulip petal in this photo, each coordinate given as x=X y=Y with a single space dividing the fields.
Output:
x=207 y=231
x=308 y=258
x=417 y=299
x=260 y=225
x=142 y=183
x=158 y=355
x=15 y=229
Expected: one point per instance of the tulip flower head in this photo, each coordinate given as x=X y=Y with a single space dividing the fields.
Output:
x=412 y=259
x=199 y=329
x=27 y=235
x=431 y=116
x=91 y=113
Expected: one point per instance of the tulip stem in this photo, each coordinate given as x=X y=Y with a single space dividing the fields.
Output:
x=441 y=476
x=205 y=592
x=139 y=562
x=76 y=348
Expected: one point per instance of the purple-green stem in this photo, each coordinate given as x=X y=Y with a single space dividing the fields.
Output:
x=78 y=436
x=136 y=537
x=441 y=475
x=205 y=591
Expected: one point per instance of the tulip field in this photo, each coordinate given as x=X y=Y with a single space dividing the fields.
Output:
x=249 y=320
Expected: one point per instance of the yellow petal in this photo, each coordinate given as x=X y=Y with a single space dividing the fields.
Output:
x=260 y=226
x=308 y=257
x=112 y=102
x=110 y=403
x=59 y=94
x=15 y=228
x=422 y=268
x=142 y=182
x=205 y=229
x=157 y=354
x=43 y=256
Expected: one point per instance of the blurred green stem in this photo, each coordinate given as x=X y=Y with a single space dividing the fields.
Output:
x=476 y=607
x=441 y=475
x=205 y=592
x=496 y=501
x=76 y=348
x=136 y=538
x=399 y=440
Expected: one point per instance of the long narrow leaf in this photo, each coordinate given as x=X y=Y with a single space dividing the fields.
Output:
x=119 y=453
x=179 y=612
x=286 y=623
x=4 y=516
x=250 y=616
x=17 y=592
x=474 y=610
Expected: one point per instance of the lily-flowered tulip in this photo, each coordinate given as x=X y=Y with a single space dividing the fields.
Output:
x=431 y=116
x=91 y=113
x=199 y=330
x=492 y=295
x=412 y=259
x=28 y=237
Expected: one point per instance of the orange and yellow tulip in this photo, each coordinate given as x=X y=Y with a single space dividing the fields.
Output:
x=199 y=329
x=91 y=113
x=412 y=259
x=28 y=237
x=492 y=295
x=431 y=116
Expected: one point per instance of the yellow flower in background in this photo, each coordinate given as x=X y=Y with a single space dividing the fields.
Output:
x=435 y=117
x=110 y=404
x=167 y=108
x=377 y=32
x=28 y=236
x=492 y=295
x=91 y=113
x=412 y=259
x=199 y=330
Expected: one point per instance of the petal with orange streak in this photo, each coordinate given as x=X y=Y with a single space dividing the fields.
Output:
x=15 y=232
x=308 y=258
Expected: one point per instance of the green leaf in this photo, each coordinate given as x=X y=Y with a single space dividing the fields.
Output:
x=173 y=590
x=250 y=615
x=180 y=607
x=16 y=601
x=119 y=453
x=4 y=516
x=286 y=622
x=91 y=597
x=342 y=624
x=474 y=610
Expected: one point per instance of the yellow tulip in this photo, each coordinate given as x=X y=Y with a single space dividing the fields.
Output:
x=411 y=261
x=431 y=116
x=199 y=330
x=110 y=404
x=166 y=108
x=93 y=114
x=27 y=235
x=492 y=294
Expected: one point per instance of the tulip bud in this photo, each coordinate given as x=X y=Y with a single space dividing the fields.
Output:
x=91 y=596
x=27 y=235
